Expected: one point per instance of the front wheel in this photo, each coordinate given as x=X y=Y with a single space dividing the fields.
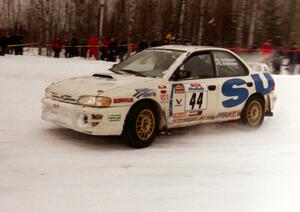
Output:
x=253 y=113
x=141 y=125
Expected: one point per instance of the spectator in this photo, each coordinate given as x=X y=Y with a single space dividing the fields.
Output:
x=9 y=42
x=93 y=47
x=169 y=36
x=83 y=50
x=3 y=43
x=104 y=49
x=73 y=48
x=143 y=45
x=112 y=50
x=13 y=42
x=123 y=49
x=266 y=49
x=277 y=58
x=19 y=41
x=67 y=48
x=294 y=58
x=57 y=46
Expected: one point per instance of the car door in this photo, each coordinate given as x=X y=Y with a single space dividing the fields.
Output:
x=235 y=84
x=193 y=90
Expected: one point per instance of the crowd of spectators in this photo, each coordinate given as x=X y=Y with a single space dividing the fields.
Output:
x=110 y=49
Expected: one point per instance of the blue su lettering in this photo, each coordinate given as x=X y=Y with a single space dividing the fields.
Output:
x=259 y=86
x=231 y=88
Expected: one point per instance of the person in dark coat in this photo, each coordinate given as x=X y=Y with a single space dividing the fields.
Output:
x=13 y=41
x=112 y=50
x=83 y=50
x=104 y=49
x=73 y=48
x=123 y=49
x=277 y=59
x=57 y=46
x=67 y=44
x=3 y=43
x=143 y=45
x=294 y=57
x=19 y=41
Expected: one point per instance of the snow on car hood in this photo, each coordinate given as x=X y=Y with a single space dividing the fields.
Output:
x=92 y=85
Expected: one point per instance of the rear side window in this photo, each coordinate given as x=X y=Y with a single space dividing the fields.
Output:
x=227 y=65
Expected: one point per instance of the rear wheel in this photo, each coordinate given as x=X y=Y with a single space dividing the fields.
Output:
x=141 y=125
x=253 y=113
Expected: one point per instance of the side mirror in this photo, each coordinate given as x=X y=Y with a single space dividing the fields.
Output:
x=182 y=74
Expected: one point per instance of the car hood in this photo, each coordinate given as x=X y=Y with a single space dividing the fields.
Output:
x=97 y=84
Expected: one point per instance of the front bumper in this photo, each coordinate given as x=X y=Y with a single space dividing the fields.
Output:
x=89 y=120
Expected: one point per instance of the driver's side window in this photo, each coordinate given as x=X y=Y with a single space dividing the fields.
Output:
x=199 y=66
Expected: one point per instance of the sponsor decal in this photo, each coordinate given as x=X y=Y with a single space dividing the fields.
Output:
x=163 y=91
x=180 y=115
x=116 y=117
x=226 y=62
x=195 y=87
x=230 y=114
x=176 y=89
x=122 y=100
x=236 y=89
x=178 y=102
x=144 y=92
x=162 y=87
x=189 y=119
x=195 y=113
x=179 y=89
x=164 y=97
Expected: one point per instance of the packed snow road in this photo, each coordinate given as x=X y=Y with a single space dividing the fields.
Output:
x=218 y=167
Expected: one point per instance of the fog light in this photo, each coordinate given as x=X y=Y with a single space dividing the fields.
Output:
x=97 y=116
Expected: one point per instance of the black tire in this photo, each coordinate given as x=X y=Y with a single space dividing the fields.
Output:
x=141 y=125
x=253 y=113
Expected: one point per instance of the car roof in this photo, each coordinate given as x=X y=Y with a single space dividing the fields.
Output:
x=188 y=48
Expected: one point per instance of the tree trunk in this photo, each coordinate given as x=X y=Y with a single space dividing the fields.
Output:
x=182 y=18
x=200 y=33
x=241 y=23
x=252 y=23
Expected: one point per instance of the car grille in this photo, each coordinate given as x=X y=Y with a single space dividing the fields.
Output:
x=62 y=98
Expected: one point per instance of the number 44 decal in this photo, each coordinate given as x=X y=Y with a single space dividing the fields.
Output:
x=196 y=101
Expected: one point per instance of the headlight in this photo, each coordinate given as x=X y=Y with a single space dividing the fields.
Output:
x=94 y=101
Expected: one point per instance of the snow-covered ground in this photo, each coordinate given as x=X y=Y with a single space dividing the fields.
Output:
x=217 y=167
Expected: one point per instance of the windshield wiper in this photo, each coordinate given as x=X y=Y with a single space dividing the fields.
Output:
x=133 y=72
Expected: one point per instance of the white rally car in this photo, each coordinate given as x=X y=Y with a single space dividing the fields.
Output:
x=159 y=89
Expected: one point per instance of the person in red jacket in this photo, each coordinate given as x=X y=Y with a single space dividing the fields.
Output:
x=93 y=47
x=266 y=49
x=56 y=46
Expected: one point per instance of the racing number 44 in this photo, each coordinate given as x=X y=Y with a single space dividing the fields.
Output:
x=199 y=101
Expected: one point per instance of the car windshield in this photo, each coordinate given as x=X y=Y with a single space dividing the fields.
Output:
x=148 y=63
